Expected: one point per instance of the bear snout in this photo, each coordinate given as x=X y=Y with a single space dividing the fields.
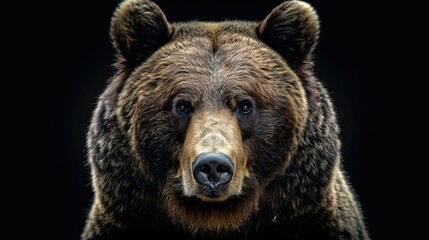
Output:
x=212 y=170
x=213 y=162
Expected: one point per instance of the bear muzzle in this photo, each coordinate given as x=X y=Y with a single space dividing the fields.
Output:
x=213 y=163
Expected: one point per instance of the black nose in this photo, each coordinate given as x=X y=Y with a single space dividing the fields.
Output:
x=212 y=169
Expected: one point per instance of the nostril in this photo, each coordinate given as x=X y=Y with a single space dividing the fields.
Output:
x=212 y=169
x=223 y=169
x=205 y=169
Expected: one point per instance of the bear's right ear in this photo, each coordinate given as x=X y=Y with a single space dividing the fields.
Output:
x=138 y=29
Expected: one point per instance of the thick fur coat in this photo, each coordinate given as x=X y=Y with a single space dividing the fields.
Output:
x=242 y=93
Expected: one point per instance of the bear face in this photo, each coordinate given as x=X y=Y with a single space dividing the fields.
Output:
x=190 y=99
x=209 y=123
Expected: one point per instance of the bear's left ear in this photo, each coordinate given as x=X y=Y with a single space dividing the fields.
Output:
x=292 y=29
x=138 y=29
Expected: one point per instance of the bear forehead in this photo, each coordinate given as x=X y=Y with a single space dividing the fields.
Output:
x=217 y=53
x=216 y=63
x=226 y=44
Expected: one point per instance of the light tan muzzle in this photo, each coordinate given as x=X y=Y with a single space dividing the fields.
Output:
x=213 y=161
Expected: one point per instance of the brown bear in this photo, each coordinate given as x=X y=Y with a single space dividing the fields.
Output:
x=217 y=130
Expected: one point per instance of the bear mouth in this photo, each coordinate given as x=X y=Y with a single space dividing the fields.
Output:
x=214 y=195
x=209 y=211
x=197 y=204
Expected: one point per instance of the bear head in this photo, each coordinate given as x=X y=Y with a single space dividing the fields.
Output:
x=201 y=116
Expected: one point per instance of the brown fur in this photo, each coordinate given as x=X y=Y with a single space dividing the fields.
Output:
x=287 y=180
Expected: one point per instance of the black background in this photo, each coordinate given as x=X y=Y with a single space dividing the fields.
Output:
x=363 y=58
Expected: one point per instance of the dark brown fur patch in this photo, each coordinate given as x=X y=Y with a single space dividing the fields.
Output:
x=213 y=218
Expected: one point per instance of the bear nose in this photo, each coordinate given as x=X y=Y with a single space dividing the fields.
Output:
x=212 y=169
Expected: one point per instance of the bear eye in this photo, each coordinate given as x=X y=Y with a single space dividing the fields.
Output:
x=245 y=107
x=183 y=107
